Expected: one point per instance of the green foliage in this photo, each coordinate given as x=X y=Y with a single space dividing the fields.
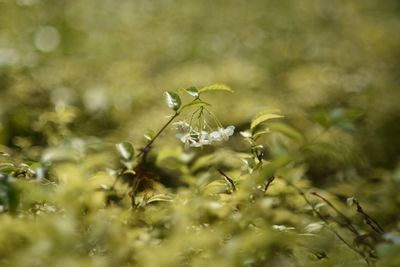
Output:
x=215 y=87
x=8 y=195
x=191 y=208
x=207 y=183
x=193 y=91
x=173 y=100
x=262 y=117
x=126 y=150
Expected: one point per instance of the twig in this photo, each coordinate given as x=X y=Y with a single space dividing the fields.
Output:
x=349 y=224
x=270 y=180
x=327 y=224
x=369 y=220
x=228 y=179
x=143 y=152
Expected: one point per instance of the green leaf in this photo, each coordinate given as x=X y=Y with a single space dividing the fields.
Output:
x=262 y=117
x=288 y=131
x=216 y=87
x=129 y=172
x=193 y=91
x=159 y=198
x=125 y=150
x=197 y=103
x=149 y=135
x=173 y=100
x=215 y=187
x=260 y=133
x=246 y=134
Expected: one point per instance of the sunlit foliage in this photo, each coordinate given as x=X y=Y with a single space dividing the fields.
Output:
x=199 y=133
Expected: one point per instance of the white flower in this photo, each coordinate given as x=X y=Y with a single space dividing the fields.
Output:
x=222 y=134
x=216 y=136
x=229 y=130
x=193 y=138
x=204 y=138
x=183 y=131
x=185 y=138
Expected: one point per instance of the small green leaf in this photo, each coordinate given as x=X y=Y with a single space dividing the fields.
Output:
x=197 y=103
x=159 y=198
x=125 y=150
x=216 y=87
x=214 y=187
x=260 y=133
x=246 y=134
x=193 y=91
x=129 y=172
x=173 y=100
x=262 y=117
x=149 y=135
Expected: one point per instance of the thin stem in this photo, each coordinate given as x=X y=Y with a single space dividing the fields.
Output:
x=217 y=122
x=228 y=179
x=369 y=220
x=191 y=117
x=147 y=148
x=270 y=180
x=349 y=225
x=336 y=233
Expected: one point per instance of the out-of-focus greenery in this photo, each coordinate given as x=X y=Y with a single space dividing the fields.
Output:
x=79 y=76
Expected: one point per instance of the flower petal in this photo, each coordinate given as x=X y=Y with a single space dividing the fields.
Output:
x=229 y=130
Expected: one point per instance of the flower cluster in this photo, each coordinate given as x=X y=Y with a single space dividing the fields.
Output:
x=196 y=138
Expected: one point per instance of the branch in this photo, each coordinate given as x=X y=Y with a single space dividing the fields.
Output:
x=327 y=224
x=228 y=179
x=369 y=220
x=270 y=180
x=144 y=151
x=349 y=224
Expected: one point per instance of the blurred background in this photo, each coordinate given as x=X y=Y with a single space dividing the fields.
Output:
x=99 y=67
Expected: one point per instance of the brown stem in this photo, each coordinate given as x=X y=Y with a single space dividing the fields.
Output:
x=270 y=180
x=369 y=220
x=228 y=179
x=349 y=224
x=147 y=148
x=327 y=224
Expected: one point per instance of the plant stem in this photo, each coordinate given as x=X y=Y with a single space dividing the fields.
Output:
x=320 y=216
x=369 y=220
x=147 y=148
x=228 y=179
x=270 y=180
x=348 y=224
